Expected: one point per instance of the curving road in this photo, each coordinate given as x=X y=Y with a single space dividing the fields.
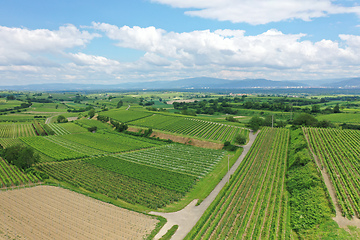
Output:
x=188 y=217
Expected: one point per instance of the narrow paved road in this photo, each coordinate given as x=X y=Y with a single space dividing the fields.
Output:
x=188 y=217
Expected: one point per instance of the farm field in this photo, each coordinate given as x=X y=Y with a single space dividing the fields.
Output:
x=191 y=127
x=255 y=204
x=151 y=181
x=47 y=212
x=113 y=143
x=10 y=175
x=193 y=160
x=16 y=130
x=338 y=151
x=52 y=149
x=341 y=117
x=114 y=185
x=126 y=115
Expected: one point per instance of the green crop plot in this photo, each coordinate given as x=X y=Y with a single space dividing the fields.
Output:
x=113 y=143
x=52 y=149
x=125 y=116
x=192 y=127
x=338 y=151
x=255 y=204
x=192 y=160
x=112 y=184
x=341 y=117
x=16 y=130
x=10 y=175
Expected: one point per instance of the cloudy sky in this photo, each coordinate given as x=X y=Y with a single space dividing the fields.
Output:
x=115 y=41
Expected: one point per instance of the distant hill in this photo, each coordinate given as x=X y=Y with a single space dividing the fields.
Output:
x=189 y=83
x=347 y=83
x=192 y=83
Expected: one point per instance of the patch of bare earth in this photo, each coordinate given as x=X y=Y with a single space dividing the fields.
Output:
x=47 y=212
x=339 y=219
x=184 y=140
x=185 y=101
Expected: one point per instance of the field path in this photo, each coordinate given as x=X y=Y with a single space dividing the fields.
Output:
x=188 y=217
x=339 y=219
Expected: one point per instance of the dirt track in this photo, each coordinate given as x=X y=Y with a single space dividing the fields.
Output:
x=188 y=217
x=339 y=219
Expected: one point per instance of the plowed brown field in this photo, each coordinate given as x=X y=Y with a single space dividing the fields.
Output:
x=47 y=212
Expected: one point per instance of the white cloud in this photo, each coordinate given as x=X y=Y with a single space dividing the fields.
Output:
x=260 y=11
x=231 y=50
x=20 y=46
x=224 y=53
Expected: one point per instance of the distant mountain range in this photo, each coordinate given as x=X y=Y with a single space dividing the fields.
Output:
x=191 y=83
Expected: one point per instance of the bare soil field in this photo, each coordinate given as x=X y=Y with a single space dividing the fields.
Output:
x=47 y=212
x=184 y=140
x=185 y=101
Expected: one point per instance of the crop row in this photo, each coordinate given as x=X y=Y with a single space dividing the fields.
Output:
x=10 y=175
x=178 y=158
x=126 y=115
x=7 y=142
x=58 y=129
x=339 y=152
x=51 y=149
x=167 y=179
x=254 y=205
x=114 y=185
x=88 y=151
x=192 y=127
x=16 y=130
x=113 y=143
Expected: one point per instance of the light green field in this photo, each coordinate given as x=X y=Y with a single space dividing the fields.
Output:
x=341 y=117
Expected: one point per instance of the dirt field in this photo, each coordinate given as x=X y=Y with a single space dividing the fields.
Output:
x=47 y=212
x=184 y=140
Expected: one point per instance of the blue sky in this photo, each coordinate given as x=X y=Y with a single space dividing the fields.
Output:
x=109 y=42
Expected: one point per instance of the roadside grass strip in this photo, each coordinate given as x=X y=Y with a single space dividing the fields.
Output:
x=178 y=158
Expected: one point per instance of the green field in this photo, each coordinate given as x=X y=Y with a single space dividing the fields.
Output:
x=193 y=161
x=338 y=151
x=191 y=127
x=341 y=117
x=112 y=143
x=16 y=130
x=255 y=204
x=114 y=185
x=10 y=175
x=125 y=116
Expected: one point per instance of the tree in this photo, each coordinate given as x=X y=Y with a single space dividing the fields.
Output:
x=255 y=123
x=336 y=109
x=91 y=113
x=240 y=139
x=61 y=119
x=92 y=129
x=21 y=156
x=119 y=104
x=305 y=119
